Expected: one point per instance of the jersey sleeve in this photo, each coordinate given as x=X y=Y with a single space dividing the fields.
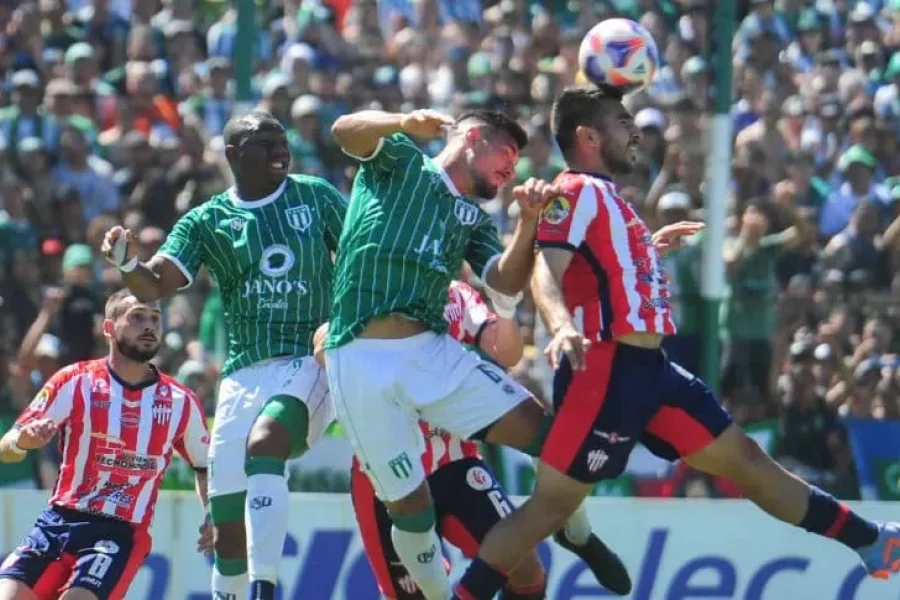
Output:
x=183 y=246
x=334 y=209
x=476 y=314
x=484 y=247
x=193 y=443
x=392 y=152
x=54 y=401
x=564 y=223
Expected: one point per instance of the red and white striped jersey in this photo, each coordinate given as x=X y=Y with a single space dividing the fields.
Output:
x=116 y=440
x=466 y=314
x=615 y=284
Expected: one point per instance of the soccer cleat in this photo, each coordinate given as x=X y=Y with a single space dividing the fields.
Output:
x=882 y=559
x=605 y=564
x=262 y=590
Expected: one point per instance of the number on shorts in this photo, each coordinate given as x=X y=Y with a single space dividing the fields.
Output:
x=100 y=564
x=490 y=373
x=501 y=504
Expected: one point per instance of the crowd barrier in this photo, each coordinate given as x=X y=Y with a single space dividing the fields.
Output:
x=675 y=549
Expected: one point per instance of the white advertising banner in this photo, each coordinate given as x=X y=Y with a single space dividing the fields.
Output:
x=675 y=550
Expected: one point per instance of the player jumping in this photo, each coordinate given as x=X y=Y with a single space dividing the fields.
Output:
x=614 y=386
x=119 y=420
x=411 y=222
x=468 y=499
x=268 y=242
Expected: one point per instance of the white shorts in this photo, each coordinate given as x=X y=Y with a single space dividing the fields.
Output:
x=381 y=388
x=242 y=396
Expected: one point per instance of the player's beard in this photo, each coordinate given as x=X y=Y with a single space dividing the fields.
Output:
x=131 y=351
x=482 y=186
x=618 y=163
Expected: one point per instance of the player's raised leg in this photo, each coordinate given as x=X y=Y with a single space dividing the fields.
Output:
x=288 y=424
x=734 y=455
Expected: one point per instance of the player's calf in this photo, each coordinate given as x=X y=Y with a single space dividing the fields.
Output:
x=527 y=581
x=781 y=494
x=229 y=576
x=556 y=496
x=77 y=593
x=279 y=432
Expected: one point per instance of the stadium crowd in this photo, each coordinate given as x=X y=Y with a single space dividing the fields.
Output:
x=112 y=112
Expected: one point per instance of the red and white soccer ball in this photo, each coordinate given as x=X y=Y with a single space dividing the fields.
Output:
x=618 y=53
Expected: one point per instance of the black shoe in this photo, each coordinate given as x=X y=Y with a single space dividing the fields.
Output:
x=605 y=564
x=262 y=590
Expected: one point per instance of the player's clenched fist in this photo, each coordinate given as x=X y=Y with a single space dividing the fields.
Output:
x=533 y=196
x=36 y=434
x=425 y=124
x=120 y=248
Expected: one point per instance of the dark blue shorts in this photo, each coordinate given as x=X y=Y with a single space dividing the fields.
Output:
x=68 y=548
x=627 y=395
x=468 y=501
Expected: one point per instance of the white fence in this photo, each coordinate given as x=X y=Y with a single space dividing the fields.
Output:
x=675 y=549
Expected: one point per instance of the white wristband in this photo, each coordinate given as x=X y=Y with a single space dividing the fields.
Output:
x=15 y=448
x=129 y=265
x=504 y=306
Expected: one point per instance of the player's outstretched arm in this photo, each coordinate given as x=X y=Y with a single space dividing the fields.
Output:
x=156 y=279
x=359 y=134
x=16 y=443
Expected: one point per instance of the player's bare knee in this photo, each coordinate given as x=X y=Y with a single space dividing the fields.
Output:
x=268 y=437
x=230 y=540
x=10 y=589
x=414 y=503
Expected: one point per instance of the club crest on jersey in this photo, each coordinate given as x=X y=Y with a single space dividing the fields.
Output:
x=465 y=213
x=99 y=394
x=557 y=211
x=299 y=218
x=237 y=224
x=162 y=404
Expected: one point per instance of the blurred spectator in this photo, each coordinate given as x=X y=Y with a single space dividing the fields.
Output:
x=112 y=112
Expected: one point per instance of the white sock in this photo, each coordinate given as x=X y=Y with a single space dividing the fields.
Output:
x=421 y=555
x=229 y=587
x=266 y=520
x=578 y=527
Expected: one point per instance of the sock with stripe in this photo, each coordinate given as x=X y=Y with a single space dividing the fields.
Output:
x=419 y=547
x=265 y=517
x=831 y=518
x=229 y=579
x=481 y=581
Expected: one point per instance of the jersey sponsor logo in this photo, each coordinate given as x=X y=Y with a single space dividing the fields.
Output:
x=40 y=401
x=596 y=459
x=299 y=218
x=116 y=493
x=558 y=210
x=127 y=463
x=401 y=466
x=465 y=213
x=276 y=260
x=479 y=479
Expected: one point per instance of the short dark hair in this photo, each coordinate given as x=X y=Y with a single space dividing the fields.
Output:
x=499 y=121
x=115 y=304
x=578 y=106
x=238 y=128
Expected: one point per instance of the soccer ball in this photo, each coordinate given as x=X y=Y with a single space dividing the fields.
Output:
x=618 y=53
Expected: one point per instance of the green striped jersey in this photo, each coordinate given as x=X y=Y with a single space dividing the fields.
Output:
x=272 y=261
x=406 y=235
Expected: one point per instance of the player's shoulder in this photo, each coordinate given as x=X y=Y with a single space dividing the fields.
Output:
x=303 y=183
x=86 y=368
x=211 y=205
x=169 y=386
